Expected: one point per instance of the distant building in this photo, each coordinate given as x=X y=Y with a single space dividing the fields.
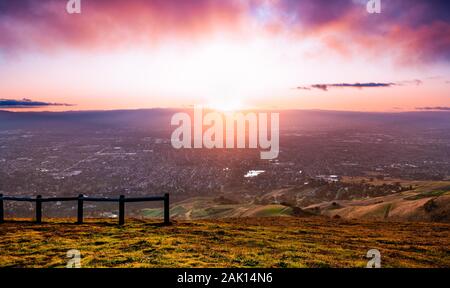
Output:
x=329 y=178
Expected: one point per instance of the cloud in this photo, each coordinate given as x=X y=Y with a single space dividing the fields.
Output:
x=439 y=108
x=45 y=26
x=358 y=85
x=27 y=103
x=325 y=87
x=416 y=82
x=416 y=31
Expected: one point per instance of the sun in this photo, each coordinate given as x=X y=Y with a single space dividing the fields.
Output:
x=226 y=105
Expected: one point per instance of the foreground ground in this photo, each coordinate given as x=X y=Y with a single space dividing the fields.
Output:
x=244 y=242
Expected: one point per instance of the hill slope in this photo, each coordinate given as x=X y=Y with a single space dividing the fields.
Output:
x=243 y=242
x=427 y=201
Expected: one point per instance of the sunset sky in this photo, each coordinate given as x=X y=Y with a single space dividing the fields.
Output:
x=305 y=54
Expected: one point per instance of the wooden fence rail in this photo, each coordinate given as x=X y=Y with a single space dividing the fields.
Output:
x=81 y=199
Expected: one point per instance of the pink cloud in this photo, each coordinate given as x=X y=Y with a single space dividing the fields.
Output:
x=414 y=31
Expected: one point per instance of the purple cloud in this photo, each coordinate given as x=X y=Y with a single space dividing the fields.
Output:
x=439 y=108
x=418 y=29
x=325 y=87
x=358 y=85
x=27 y=103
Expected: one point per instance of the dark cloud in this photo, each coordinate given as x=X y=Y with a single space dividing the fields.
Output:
x=325 y=87
x=314 y=13
x=27 y=103
x=358 y=85
x=407 y=13
x=418 y=30
x=434 y=108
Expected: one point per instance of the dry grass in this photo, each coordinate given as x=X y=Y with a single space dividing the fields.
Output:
x=244 y=242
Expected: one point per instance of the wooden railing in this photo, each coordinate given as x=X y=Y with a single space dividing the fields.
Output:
x=81 y=199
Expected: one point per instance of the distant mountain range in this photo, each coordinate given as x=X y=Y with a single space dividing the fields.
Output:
x=290 y=119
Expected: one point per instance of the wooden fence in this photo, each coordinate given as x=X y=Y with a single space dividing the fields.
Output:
x=81 y=199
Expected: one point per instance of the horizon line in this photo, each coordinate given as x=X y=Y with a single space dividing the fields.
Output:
x=417 y=110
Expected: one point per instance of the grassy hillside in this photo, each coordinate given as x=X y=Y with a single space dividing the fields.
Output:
x=425 y=201
x=243 y=242
x=210 y=208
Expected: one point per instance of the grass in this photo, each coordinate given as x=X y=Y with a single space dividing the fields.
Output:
x=273 y=210
x=428 y=194
x=243 y=242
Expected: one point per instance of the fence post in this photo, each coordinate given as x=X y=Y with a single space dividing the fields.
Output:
x=2 y=215
x=38 y=209
x=166 y=209
x=80 y=209
x=122 y=210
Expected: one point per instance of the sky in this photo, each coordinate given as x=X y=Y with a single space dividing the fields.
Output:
x=228 y=54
